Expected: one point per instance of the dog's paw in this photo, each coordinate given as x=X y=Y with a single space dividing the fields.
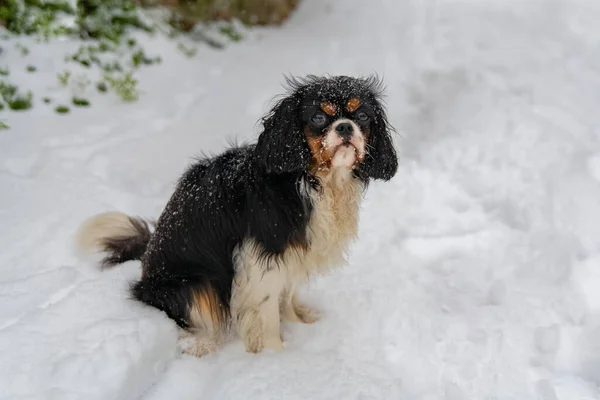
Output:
x=273 y=344
x=254 y=345
x=196 y=351
x=197 y=346
x=306 y=314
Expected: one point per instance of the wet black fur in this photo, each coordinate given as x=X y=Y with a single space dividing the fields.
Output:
x=249 y=191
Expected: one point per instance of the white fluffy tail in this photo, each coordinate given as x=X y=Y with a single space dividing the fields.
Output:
x=123 y=237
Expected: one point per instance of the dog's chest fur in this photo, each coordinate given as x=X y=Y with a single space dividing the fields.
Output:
x=332 y=225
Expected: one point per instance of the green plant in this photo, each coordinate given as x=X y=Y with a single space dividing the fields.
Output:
x=62 y=109
x=64 y=78
x=231 y=33
x=111 y=67
x=3 y=125
x=4 y=71
x=47 y=100
x=139 y=57
x=29 y=17
x=107 y=19
x=80 y=102
x=31 y=68
x=102 y=87
x=188 y=52
x=20 y=103
x=7 y=91
x=13 y=99
x=124 y=85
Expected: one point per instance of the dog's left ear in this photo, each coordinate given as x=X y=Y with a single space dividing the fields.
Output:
x=282 y=147
x=381 y=160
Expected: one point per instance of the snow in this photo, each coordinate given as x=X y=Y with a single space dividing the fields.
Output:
x=476 y=271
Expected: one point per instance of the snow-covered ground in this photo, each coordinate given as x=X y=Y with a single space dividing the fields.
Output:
x=477 y=271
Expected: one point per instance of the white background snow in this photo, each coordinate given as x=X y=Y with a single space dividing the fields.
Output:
x=477 y=270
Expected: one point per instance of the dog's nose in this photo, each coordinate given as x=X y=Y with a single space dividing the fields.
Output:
x=344 y=129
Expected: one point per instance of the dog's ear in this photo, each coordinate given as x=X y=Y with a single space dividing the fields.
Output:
x=282 y=146
x=381 y=160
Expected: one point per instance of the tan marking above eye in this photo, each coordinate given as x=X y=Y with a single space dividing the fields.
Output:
x=329 y=108
x=353 y=104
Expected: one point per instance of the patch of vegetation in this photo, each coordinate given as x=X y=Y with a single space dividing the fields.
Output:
x=80 y=102
x=231 y=33
x=24 y=50
x=47 y=100
x=3 y=126
x=112 y=67
x=139 y=58
x=190 y=52
x=21 y=103
x=105 y=26
x=7 y=90
x=102 y=87
x=124 y=85
x=15 y=100
x=64 y=78
x=108 y=19
x=62 y=109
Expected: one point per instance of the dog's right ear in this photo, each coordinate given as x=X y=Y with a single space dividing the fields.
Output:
x=282 y=147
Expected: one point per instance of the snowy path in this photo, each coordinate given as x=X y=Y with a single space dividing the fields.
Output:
x=477 y=271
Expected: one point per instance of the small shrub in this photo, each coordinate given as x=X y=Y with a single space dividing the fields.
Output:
x=3 y=126
x=62 y=109
x=21 y=103
x=188 y=52
x=4 y=71
x=124 y=86
x=139 y=57
x=107 y=19
x=31 y=68
x=13 y=99
x=80 y=102
x=7 y=91
x=231 y=33
x=111 y=67
x=64 y=78
x=102 y=87
x=47 y=100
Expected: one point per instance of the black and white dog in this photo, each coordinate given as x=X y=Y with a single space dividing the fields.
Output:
x=245 y=228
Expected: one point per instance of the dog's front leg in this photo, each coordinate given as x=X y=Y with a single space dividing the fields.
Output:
x=255 y=307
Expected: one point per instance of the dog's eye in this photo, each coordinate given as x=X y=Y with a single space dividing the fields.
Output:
x=362 y=116
x=319 y=119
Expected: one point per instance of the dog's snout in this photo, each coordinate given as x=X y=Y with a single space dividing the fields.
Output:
x=344 y=129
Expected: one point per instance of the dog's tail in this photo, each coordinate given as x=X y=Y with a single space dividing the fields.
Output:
x=122 y=237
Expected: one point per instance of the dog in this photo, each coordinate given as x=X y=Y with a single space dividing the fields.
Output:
x=245 y=228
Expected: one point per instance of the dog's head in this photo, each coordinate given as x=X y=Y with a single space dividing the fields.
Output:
x=329 y=122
